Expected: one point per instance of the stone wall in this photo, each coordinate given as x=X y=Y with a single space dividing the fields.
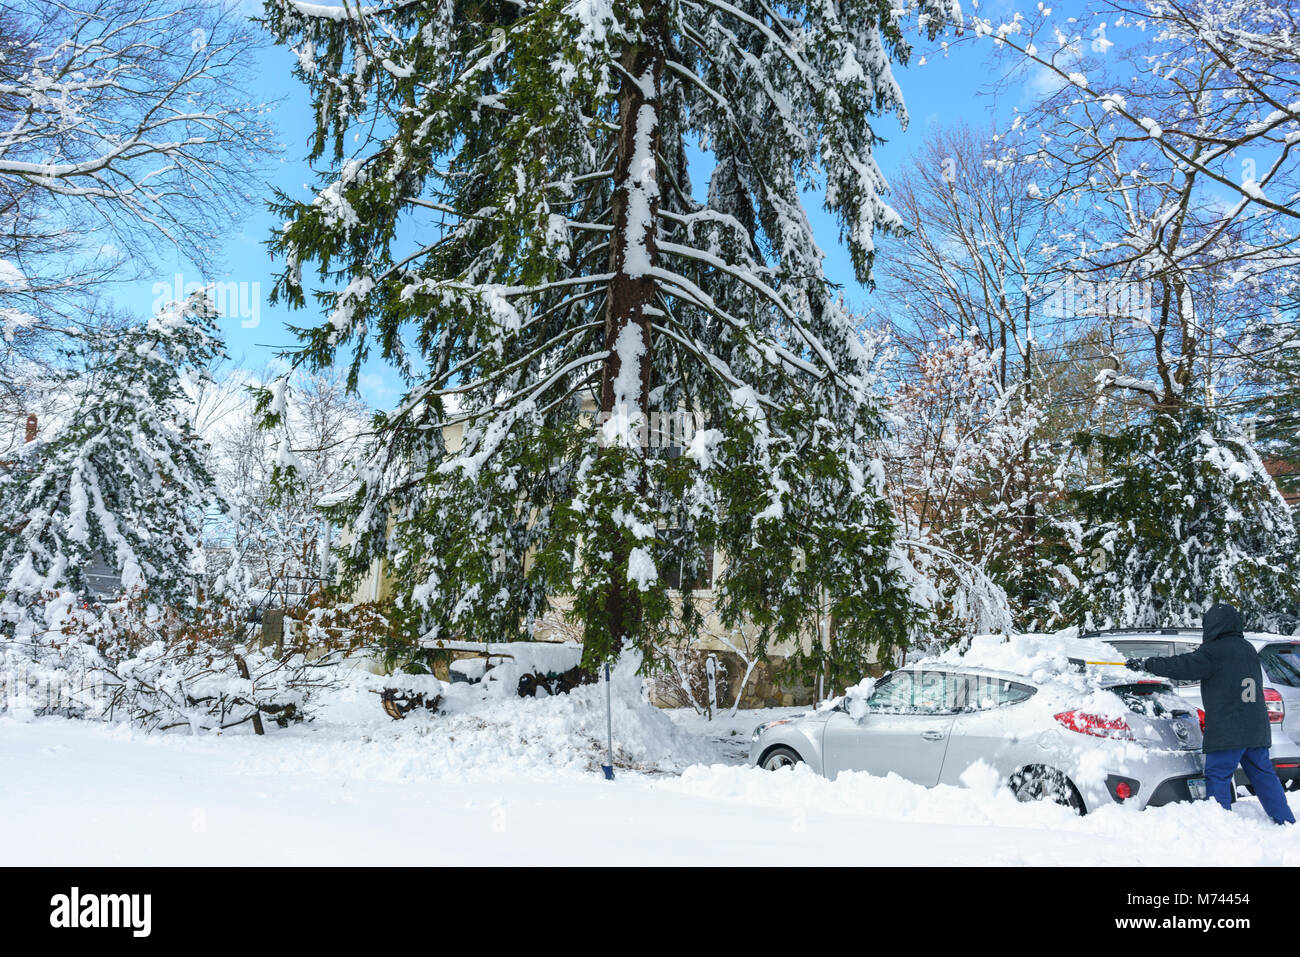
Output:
x=765 y=688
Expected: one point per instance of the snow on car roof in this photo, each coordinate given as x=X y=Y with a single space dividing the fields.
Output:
x=1050 y=662
x=1039 y=657
x=1193 y=636
x=1269 y=638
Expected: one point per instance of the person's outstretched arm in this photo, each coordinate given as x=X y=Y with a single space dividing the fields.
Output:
x=1194 y=666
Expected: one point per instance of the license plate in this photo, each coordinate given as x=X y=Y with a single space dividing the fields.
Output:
x=1197 y=787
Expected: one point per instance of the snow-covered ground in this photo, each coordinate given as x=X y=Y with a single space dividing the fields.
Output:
x=505 y=780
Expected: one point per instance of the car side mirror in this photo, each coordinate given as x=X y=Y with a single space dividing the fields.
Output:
x=855 y=699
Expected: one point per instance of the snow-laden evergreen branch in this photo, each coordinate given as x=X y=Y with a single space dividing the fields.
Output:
x=540 y=152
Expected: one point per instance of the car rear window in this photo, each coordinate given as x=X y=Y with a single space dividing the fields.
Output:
x=1144 y=649
x=1281 y=664
x=1147 y=697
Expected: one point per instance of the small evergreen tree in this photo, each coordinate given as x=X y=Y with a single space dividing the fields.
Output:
x=1188 y=517
x=518 y=234
x=124 y=483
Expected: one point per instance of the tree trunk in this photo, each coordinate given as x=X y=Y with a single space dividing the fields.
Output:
x=625 y=393
x=1029 y=571
x=243 y=673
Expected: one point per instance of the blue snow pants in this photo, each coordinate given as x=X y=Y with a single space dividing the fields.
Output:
x=1220 y=767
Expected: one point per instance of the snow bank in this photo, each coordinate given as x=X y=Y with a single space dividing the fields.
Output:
x=324 y=796
x=1199 y=831
x=483 y=785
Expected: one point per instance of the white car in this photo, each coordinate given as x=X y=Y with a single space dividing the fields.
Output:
x=1080 y=737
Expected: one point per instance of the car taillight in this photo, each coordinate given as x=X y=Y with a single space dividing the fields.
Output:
x=1200 y=713
x=1275 y=705
x=1123 y=791
x=1095 y=725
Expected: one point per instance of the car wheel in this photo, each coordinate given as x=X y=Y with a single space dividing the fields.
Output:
x=780 y=757
x=1046 y=784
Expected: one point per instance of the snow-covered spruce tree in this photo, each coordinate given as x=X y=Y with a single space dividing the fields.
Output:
x=1188 y=516
x=124 y=483
x=512 y=223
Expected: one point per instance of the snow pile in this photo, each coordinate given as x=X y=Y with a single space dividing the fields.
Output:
x=566 y=731
x=1068 y=670
x=855 y=792
x=569 y=730
x=484 y=730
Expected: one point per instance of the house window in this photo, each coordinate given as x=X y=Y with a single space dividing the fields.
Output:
x=684 y=568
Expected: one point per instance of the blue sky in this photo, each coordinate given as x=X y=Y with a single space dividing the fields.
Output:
x=945 y=90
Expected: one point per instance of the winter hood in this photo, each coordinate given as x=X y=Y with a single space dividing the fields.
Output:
x=1221 y=621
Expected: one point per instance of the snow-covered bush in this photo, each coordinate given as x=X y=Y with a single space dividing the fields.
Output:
x=685 y=683
x=204 y=670
x=50 y=672
x=205 y=686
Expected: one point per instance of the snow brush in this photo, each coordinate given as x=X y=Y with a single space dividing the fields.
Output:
x=1079 y=663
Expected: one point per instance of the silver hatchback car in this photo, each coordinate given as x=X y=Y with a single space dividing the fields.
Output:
x=1279 y=656
x=1052 y=728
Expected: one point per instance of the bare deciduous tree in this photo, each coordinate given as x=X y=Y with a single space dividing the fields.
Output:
x=276 y=535
x=126 y=130
x=969 y=292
